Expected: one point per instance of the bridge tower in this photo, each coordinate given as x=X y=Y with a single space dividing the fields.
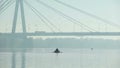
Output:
x=19 y=4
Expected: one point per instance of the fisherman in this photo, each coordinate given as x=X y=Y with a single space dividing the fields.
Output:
x=57 y=50
x=91 y=48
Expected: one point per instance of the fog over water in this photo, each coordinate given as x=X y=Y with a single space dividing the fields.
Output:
x=41 y=19
x=69 y=58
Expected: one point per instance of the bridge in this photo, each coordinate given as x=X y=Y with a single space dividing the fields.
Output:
x=76 y=27
x=63 y=34
x=66 y=16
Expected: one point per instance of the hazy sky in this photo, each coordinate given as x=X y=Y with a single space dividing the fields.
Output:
x=106 y=9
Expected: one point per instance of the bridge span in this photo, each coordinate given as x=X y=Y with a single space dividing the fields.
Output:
x=62 y=34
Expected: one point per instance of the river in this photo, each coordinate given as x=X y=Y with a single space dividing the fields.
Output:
x=69 y=58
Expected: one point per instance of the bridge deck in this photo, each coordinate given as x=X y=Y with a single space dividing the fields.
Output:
x=63 y=34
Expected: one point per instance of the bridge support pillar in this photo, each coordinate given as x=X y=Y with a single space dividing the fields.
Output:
x=19 y=3
x=13 y=59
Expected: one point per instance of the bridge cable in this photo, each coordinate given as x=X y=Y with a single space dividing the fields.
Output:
x=38 y=14
x=74 y=21
x=89 y=14
x=45 y=18
x=63 y=15
x=66 y=16
x=3 y=7
x=3 y=4
x=6 y=6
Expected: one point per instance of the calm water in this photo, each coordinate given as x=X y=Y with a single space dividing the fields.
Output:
x=70 y=58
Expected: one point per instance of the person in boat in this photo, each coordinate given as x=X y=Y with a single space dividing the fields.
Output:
x=57 y=50
x=91 y=48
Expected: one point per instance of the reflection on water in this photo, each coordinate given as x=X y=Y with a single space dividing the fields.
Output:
x=70 y=58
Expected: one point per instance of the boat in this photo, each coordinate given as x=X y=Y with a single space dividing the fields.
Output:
x=57 y=50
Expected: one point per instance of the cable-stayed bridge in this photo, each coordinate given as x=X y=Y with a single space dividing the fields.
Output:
x=62 y=34
x=85 y=29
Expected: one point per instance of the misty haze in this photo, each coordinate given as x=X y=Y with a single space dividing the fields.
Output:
x=59 y=34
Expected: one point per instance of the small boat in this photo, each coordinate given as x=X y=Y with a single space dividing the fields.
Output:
x=91 y=48
x=57 y=50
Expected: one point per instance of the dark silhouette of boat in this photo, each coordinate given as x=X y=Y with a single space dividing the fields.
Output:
x=57 y=50
x=91 y=48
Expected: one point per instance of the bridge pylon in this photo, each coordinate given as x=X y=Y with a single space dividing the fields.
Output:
x=19 y=4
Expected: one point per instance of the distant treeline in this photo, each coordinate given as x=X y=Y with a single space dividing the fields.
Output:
x=7 y=42
x=73 y=43
x=59 y=43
